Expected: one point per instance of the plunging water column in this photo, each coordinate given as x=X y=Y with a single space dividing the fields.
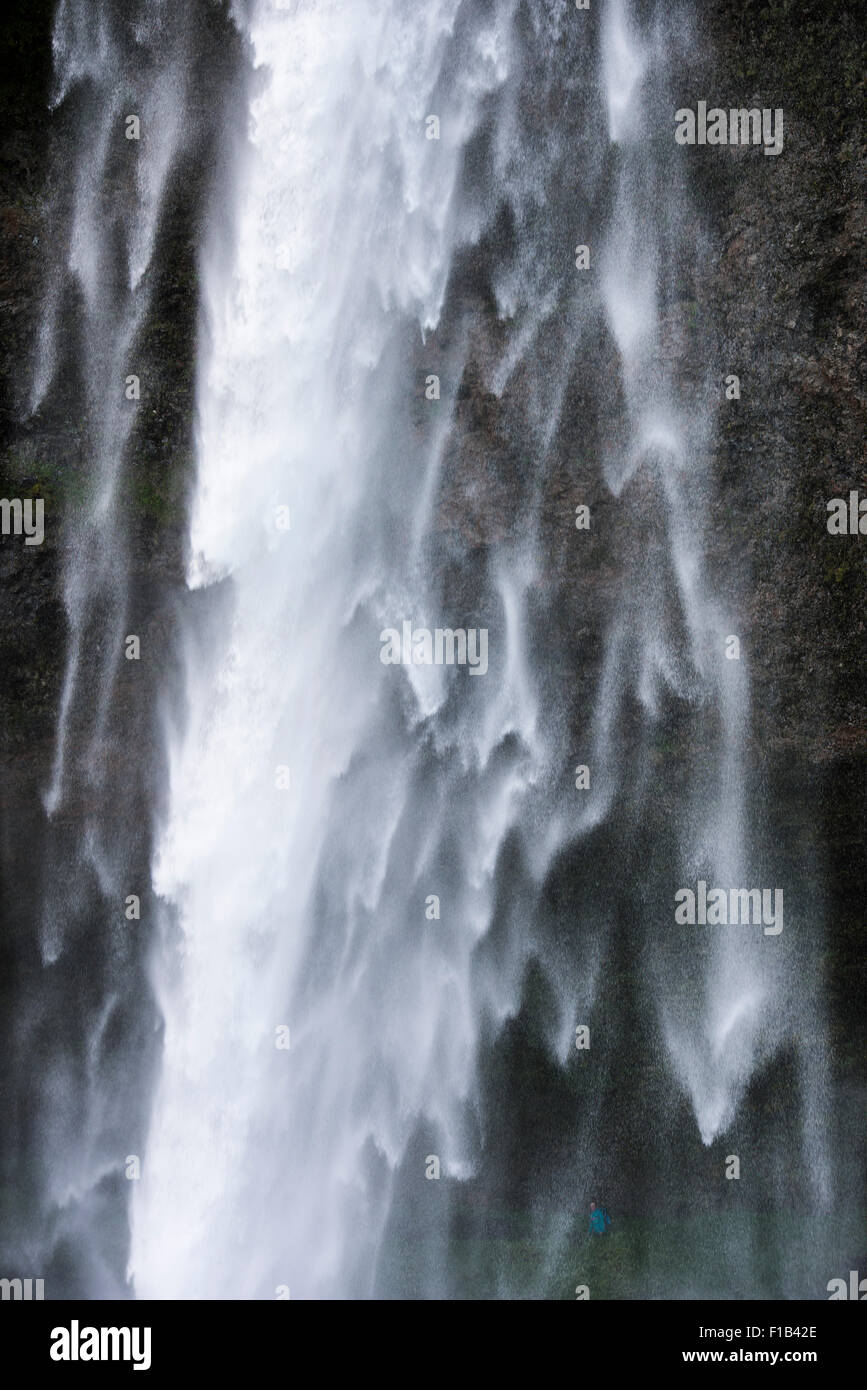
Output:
x=362 y=864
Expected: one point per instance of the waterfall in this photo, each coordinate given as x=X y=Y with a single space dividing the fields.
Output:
x=323 y=1022
x=722 y=1016
x=112 y=66
x=122 y=126
x=302 y=907
x=85 y=1100
x=381 y=903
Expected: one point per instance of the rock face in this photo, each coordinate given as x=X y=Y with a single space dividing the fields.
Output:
x=787 y=298
x=781 y=298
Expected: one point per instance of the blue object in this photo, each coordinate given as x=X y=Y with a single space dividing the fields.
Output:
x=597 y=1220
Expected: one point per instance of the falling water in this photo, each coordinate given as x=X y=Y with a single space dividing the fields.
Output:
x=376 y=884
x=670 y=630
x=117 y=66
x=89 y=394
x=303 y=907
